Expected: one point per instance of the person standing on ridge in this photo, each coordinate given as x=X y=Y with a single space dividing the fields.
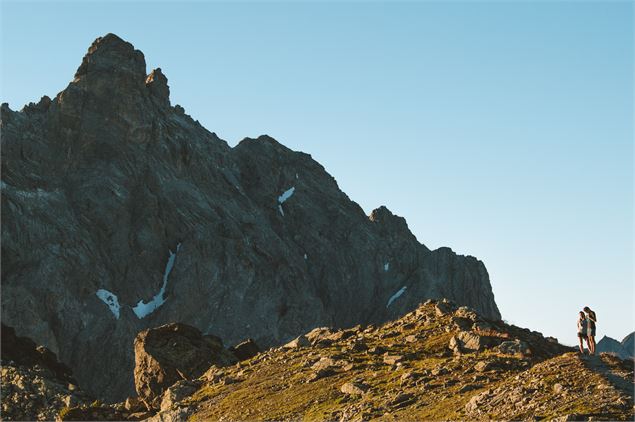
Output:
x=583 y=325
x=591 y=330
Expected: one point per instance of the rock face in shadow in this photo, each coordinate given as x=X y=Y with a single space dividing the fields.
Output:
x=121 y=212
x=174 y=352
x=35 y=385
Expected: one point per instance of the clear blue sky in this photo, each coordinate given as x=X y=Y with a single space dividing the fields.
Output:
x=503 y=130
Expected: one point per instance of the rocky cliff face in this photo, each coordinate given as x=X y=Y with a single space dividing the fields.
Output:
x=121 y=212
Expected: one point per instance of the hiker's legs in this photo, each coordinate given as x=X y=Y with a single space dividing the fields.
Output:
x=581 y=345
x=591 y=341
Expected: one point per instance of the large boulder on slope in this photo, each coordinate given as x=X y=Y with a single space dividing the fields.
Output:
x=173 y=352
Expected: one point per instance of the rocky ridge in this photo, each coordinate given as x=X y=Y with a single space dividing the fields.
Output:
x=409 y=369
x=121 y=212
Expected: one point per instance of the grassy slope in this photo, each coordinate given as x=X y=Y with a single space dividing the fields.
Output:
x=274 y=385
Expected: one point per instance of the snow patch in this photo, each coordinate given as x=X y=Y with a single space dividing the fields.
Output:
x=395 y=296
x=386 y=266
x=111 y=300
x=286 y=195
x=144 y=309
x=305 y=257
x=296 y=176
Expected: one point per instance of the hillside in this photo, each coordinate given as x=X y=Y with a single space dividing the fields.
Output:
x=404 y=370
x=121 y=212
x=438 y=362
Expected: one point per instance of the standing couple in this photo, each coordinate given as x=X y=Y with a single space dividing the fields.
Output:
x=586 y=329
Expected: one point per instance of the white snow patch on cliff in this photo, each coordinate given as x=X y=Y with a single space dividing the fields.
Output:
x=111 y=300
x=395 y=296
x=144 y=309
x=286 y=195
x=386 y=266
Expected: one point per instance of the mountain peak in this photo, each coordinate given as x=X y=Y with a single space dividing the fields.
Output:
x=112 y=58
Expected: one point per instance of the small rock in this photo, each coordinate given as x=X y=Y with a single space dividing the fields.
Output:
x=454 y=345
x=133 y=404
x=439 y=371
x=300 y=341
x=401 y=400
x=483 y=366
x=177 y=393
x=442 y=308
x=469 y=387
x=324 y=362
x=376 y=350
x=354 y=388
x=392 y=359
x=321 y=373
x=358 y=346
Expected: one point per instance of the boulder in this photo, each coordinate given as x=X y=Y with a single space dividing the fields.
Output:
x=475 y=342
x=514 y=347
x=245 y=350
x=173 y=352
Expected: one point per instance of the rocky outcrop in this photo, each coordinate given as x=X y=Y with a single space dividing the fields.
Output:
x=121 y=212
x=171 y=353
x=35 y=386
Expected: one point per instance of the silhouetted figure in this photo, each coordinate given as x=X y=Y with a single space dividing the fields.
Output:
x=592 y=318
x=583 y=326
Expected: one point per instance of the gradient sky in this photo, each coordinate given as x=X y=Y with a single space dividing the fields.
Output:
x=503 y=130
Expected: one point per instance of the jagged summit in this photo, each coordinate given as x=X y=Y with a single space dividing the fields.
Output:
x=390 y=224
x=111 y=54
x=122 y=213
